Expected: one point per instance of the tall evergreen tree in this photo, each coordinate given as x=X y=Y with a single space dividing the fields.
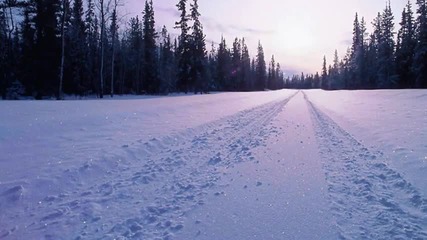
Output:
x=405 y=49
x=223 y=66
x=261 y=70
x=198 y=52
x=184 y=48
x=135 y=52
x=114 y=42
x=47 y=48
x=386 y=71
x=166 y=62
x=92 y=40
x=236 y=58
x=77 y=37
x=420 y=58
x=150 y=66
x=246 y=68
x=324 y=82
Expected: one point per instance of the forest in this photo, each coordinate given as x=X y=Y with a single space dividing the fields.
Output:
x=52 y=48
x=65 y=48
x=383 y=59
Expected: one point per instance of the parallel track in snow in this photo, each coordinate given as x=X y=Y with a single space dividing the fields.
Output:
x=148 y=196
x=368 y=198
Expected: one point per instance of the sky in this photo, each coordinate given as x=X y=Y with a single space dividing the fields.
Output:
x=298 y=33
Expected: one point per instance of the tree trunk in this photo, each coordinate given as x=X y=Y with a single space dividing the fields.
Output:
x=101 y=92
x=61 y=73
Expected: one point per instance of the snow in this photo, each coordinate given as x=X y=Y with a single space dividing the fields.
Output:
x=267 y=165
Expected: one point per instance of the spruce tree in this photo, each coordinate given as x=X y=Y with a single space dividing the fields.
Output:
x=246 y=68
x=324 y=79
x=261 y=70
x=150 y=72
x=405 y=49
x=198 y=52
x=92 y=40
x=386 y=70
x=420 y=57
x=184 y=48
x=236 y=57
x=47 y=48
x=114 y=42
x=223 y=66
x=166 y=62
x=77 y=48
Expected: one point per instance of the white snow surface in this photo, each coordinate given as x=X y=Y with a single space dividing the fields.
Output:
x=268 y=165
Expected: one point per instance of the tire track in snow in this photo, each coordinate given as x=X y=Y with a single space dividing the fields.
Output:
x=369 y=199
x=148 y=196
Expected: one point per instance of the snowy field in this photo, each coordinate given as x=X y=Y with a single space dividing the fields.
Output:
x=268 y=165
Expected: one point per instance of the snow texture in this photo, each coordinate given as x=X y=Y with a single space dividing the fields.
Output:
x=268 y=165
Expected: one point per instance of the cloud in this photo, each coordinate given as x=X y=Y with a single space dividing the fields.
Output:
x=214 y=25
x=169 y=10
x=211 y=24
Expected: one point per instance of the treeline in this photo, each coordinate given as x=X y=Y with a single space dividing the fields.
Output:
x=380 y=59
x=59 y=47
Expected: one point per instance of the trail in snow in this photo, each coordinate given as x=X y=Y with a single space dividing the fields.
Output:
x=282 y=194
x=369 y=199
x=281 y=170
x=148 y=195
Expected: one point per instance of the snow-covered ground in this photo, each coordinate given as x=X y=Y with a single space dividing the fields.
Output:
x=269 y=165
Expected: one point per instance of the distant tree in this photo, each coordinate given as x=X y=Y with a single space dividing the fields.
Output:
x=114 y=42
x=386 y=72
x=420 y=57
x=271 y=79
x=65 y=10
x=47 y=47
x=405 y=49
x=261 y=70
x=166 y=62
x=77 y=48
x=103 y=13
x=92 y=52
x=150 y=66
x=198 y=74
x=236 y=58
x=135 y=53
x=324 y=82
x=184 y=48
x=247 y=76
x=223 y=66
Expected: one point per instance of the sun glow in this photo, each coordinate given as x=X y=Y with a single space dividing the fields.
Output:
x=295 y=39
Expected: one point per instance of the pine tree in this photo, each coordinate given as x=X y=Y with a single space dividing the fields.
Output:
x=27 y=46
x=260 y=69
x=272 y=74
x=92 y=38
x=324 y=82
x=236 y=59
x=166 y=62
x=150 y=67
x=103 y=9
x=405 y=49
x=135 y=52
x=65 y=12
x=223 y=66
x=77 y=48
x=198 y=52
x=386 y=71
x=420 y=58
x=184 y=49
x=246 y=68
x=47 y=48
x=114 y=42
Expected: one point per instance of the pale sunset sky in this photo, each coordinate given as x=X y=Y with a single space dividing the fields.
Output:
x=298 y=32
